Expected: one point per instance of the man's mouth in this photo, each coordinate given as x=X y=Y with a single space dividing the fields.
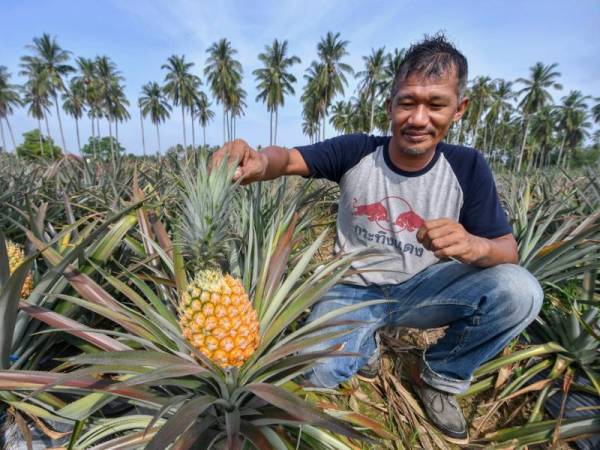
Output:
x=415 y=136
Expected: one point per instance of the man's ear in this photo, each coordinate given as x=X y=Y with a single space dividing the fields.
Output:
x=388 y=107
x=462 y=108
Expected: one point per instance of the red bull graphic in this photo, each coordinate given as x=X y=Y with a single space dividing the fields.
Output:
x=406 y=219
x=409 y=221
x=374 y=211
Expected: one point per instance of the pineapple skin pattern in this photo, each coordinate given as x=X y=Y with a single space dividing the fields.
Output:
x=217 y=318
x=16 y=256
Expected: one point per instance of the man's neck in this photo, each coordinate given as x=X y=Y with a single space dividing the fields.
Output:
x=407 y=162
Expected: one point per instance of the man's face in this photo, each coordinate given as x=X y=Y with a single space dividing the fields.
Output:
x=423 y=110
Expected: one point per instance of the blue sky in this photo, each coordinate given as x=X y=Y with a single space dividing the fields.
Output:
x=500 y=39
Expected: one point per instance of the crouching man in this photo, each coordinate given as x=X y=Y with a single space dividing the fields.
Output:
x=446 y=254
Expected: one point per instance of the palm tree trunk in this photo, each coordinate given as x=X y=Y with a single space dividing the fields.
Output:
x=204 y=136
x=78 y=138
x=12 y=135
x=158 y=139
x=62 y=135
x=112 y=147
x=47 y=126
x=525 y=133
x=560 y=151
x=323 y=131
x=276 y=123
x=4 y=149
x=95 y=150
x=117 y=130
x=193 y=130
x=271 y=127
x=41 y=139
x=224 y=125
x=372 y=114
x=183 y=123
x=143 y=137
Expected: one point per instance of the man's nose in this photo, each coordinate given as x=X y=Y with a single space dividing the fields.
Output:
x=419 y=117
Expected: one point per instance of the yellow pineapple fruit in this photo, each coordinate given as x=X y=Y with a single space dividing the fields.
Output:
x=16 y=256
x=215 y=313
x=217 y=318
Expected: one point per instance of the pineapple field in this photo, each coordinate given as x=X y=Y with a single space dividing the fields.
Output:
x=152 y=303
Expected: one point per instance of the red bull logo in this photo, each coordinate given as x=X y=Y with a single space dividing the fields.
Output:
x=374 y=211
x=409 y=221
x=378 y=212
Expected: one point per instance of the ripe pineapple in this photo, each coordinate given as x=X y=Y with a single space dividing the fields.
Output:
x=215 y=314
x=16 y=256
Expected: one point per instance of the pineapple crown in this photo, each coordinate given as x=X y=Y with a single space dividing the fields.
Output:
x=204 y=229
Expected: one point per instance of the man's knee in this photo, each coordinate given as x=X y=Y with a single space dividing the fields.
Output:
x=520 y=294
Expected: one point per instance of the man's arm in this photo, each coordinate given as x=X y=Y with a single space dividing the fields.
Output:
x=268 y=164
x=447 y=238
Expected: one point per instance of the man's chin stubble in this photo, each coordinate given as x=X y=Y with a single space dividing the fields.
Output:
x=414 y=151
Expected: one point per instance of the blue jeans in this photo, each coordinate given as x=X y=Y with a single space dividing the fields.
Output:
x=483 y=308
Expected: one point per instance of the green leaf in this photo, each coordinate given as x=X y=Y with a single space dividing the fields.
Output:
x=180 y=421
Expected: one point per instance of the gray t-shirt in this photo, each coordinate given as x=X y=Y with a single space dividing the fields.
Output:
x=381 y=206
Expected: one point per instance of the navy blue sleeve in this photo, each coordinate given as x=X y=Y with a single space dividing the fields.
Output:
x=481 y=213
x=332 y=158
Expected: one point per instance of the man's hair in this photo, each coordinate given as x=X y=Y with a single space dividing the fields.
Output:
x=433 y=57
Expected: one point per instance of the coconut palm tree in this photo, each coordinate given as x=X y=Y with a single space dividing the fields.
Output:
x=86 y=69
x=274 y=80
x=192 y=102
x=535 y=95
x=118 y=106
x=372 y=82
x=577 y=132
x=224 y=75
x=331 y=50
x=543 y=128
x=571 y=106
x=596 y=110
x=341 y=116
x=203 y=113
x=37 y=91
x=237 y=104
x=9 y=99
x=153 y=102
x=480 y=94
x=313 y=97
x=179 y=85
x=501 y=97
x=53 y=61
x=392 y=66
x=74 y=104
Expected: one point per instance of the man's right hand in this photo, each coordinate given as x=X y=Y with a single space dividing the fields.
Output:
x=252 y=165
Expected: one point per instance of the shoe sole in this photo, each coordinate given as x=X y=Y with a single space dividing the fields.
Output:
x=458 y=441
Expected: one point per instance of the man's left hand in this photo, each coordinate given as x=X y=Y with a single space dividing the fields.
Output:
x=447 y=238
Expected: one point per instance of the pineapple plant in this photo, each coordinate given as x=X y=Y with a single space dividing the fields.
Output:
x=16 y=256
x=215 y=313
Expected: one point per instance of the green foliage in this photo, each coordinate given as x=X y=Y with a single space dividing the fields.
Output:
x=102 y=149
x=36 y=146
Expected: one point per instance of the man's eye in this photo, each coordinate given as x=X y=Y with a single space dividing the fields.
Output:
x=437 y=106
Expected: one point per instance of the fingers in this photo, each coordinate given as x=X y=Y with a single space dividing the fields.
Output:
x=458 y=250
x=237 y=153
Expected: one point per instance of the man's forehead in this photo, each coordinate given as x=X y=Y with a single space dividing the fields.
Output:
x=438 y=85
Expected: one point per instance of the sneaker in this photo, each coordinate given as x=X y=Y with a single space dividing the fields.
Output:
x=370 y=370
x=443 y=411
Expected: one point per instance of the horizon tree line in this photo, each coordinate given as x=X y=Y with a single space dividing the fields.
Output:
x=515 y=121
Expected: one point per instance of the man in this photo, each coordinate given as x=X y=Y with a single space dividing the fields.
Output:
x=446 y=252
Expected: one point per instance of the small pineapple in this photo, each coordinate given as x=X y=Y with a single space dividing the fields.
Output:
x=218 y=319
x=215 y=314
x=16 y=256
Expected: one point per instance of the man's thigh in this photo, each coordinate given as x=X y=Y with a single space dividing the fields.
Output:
x=445 y=292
